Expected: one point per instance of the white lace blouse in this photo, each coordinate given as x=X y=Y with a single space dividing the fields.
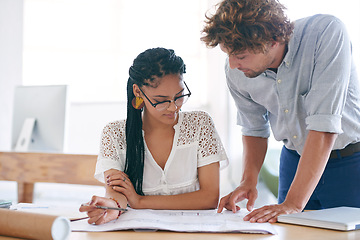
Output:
x=196 y=143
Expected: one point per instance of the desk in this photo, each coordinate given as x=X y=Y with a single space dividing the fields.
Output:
x=29 y=168
x=285 y=232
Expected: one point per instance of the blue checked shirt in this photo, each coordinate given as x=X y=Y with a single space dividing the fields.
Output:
x=315 y=88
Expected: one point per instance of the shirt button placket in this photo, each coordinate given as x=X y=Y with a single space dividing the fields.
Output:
x=287 y=112
x=163 y=180
x=164 y=184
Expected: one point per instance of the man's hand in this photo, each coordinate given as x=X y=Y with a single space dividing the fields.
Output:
x=270 y=213
x=311 y=166
x=254 y=151
x=244 y=191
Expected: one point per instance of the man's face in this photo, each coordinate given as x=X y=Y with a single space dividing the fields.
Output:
x=251 y=64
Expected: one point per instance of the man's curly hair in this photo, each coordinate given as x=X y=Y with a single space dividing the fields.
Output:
x=247 y=25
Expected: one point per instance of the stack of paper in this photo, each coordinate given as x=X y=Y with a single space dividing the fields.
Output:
x=5 y=204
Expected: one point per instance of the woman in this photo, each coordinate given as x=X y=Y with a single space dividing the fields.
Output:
x=159 y=158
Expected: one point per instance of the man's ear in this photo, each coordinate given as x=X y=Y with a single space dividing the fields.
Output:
x=274 y=44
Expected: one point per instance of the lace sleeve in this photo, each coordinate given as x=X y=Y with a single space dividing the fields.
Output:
x=210 y=147
x=112 y=149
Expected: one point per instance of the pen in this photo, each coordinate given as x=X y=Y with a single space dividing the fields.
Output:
x=112 y=208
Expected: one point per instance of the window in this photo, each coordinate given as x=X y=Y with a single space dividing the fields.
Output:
x=90 y=44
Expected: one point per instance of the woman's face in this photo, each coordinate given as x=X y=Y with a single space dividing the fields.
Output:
x=168 y=87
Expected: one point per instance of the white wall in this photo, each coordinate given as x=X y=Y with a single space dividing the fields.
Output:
x=85 y=120
x=85 y=123
x=11 y=30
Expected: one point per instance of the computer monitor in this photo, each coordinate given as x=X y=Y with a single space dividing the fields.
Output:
x=39 y=118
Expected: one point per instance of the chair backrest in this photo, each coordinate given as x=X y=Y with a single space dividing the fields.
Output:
x=29 y=168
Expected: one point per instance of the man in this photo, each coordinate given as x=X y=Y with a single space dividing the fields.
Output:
x=300 y=80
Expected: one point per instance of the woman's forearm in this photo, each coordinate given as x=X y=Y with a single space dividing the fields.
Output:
x=111 y=193
x=200 y=199
x=119 y=197
x=206 y=197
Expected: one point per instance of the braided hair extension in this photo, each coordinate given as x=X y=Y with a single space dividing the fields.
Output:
x=146 y=68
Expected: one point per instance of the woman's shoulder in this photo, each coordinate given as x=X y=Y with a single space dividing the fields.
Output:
x=115 y=127
x=197 y=117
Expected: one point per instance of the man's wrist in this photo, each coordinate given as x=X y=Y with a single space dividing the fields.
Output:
x=295 y=203
x=249 y=180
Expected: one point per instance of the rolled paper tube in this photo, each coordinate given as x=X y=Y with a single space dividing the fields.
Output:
x=33 y=225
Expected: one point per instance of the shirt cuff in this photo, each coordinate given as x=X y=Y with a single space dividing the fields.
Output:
x=324 y=123
x=104 y=164
x=264 y=133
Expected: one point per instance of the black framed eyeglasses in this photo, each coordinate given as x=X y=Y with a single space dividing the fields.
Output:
x=178 y=101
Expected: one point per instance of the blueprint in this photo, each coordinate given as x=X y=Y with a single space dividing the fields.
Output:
x=179 y=221
x=70 y=212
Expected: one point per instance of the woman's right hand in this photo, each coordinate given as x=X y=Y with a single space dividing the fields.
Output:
x=120 y=182
x=100 y=216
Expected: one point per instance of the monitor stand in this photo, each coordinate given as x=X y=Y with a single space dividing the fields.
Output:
x=23 y=142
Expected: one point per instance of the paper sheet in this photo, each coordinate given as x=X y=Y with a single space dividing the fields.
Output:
x=70 y=212
x=179 y=221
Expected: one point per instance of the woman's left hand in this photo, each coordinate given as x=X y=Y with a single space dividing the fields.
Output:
x=121 y=183
x=270 y=213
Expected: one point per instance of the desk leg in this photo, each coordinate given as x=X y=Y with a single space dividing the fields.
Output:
x=25 y=192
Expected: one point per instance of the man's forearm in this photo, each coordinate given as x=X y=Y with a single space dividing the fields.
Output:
x=311 y=166
x=253 y=157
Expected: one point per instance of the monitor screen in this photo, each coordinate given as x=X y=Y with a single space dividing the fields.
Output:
x=41 y=110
